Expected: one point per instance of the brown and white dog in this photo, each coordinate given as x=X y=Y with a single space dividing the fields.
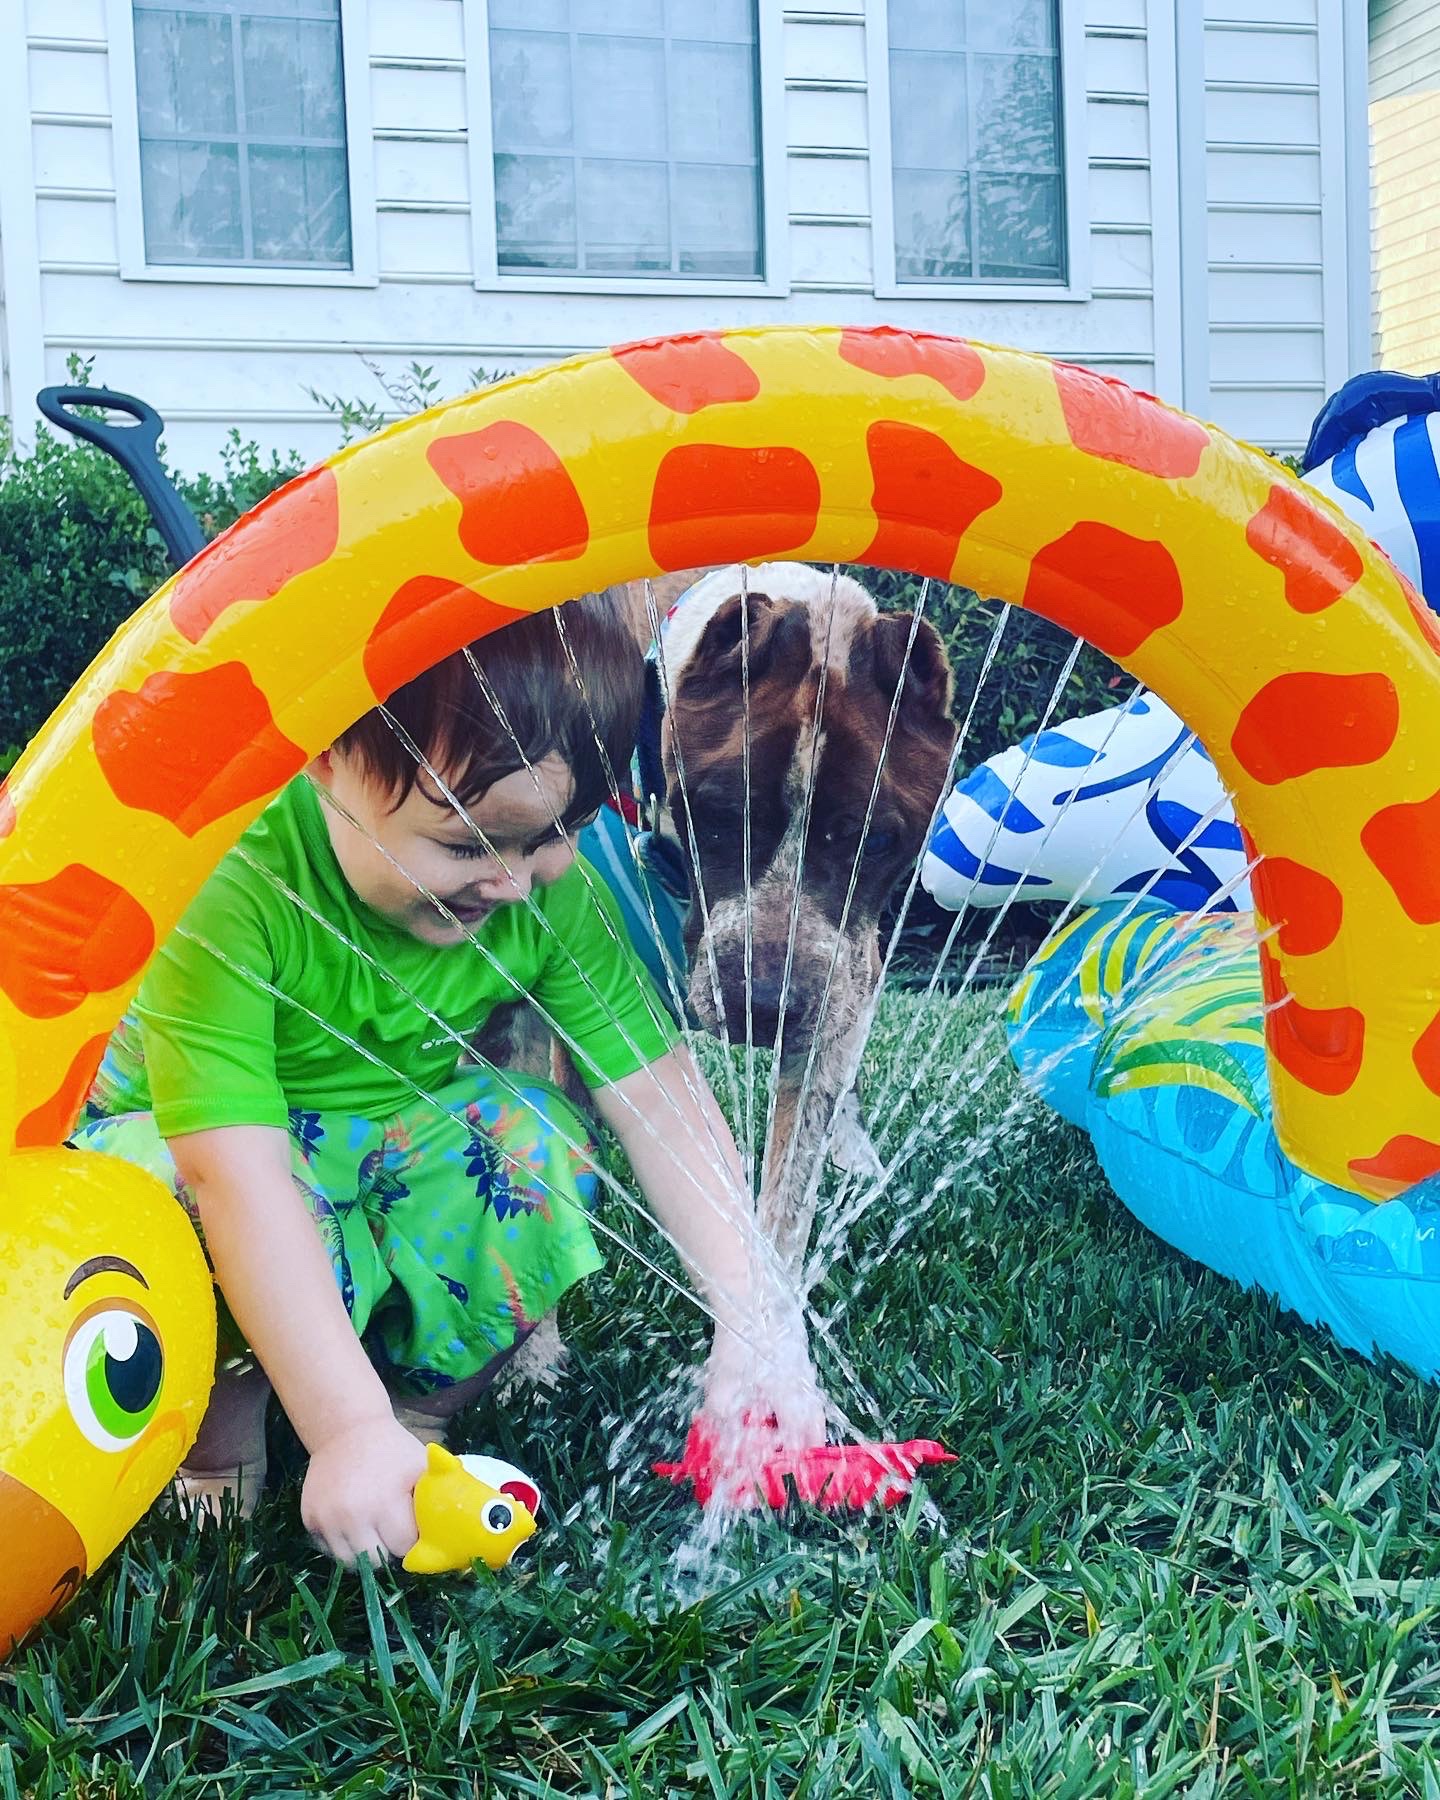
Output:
x=839 y=795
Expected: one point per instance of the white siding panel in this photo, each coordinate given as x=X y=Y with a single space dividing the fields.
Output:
x=1116 y=65
x=852 y=8
x=67 y=18
x=1404 y=47
x=417 y=28
x=829 y=120
x=1255 y=356
x=829 y=185
x=407 y=169
x=1117 y=129
x=1120 y=196
x=1282 y=56
x=1115 y=15
x=815 y=52
x=830 y=253
x=73 y=156
x=1262 y=118
x=1265 y=237
x=1139 y=374
x=1275 y=419
x=1276 y=12
x=69 y=81
x=1121 y=260
x=424 y=243
x=418 y=99
x=1243 y=175
x=77 y=231
x=1262 y=296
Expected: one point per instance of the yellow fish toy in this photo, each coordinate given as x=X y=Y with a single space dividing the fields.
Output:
x=469 y=1509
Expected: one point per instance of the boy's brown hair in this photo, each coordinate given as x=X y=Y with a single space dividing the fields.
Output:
x=530 y=668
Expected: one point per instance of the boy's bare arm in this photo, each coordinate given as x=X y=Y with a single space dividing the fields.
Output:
x=278 y=1282
x=760 y=1355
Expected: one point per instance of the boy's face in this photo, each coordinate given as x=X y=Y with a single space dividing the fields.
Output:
x=393 y=852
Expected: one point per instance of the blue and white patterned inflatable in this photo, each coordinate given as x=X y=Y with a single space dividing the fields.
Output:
x=1126 y=801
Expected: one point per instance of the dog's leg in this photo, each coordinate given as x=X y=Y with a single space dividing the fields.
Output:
x=852 y=1149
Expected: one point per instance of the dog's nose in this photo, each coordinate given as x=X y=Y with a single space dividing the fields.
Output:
x=770 y=998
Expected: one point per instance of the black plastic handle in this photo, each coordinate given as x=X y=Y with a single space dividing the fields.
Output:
x=137 y=450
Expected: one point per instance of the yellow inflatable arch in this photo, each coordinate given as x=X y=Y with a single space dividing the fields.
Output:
x=1294 y=649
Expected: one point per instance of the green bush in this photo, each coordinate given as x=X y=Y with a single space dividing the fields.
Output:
x=78 y=554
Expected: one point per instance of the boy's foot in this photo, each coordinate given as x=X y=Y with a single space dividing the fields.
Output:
x=202 y=1492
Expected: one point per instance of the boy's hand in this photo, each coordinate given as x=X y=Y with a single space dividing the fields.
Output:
x=767 y=1385
x=359 y=1493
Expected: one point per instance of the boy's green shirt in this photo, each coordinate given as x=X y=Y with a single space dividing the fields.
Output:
x=206 y=1044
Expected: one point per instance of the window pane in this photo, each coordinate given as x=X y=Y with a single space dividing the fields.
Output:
x=185 y=73
x=191 y=200
x=535 y=211
x=929 y=24
x=242 y=132
x=1019 y=224
x=717 y=212
x=932 y=226
x=299 y=205
x=293 y=84
x=716 y=21
x=619 y=15
x=712 y=103
x=927 y=111
x=1016 y=123
x=1012 y=25
x=533 y=15
x=976 y=140
x=620 y=96
x=625 y=216
x=530 y=90
x=618 y=126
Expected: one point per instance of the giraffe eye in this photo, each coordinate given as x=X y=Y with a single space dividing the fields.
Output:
x=114 y=1368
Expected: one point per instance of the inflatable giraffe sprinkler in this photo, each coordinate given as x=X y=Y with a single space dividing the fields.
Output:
x=1303 y=660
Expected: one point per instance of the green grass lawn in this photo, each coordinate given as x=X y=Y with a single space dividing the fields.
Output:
x=1189 y=1548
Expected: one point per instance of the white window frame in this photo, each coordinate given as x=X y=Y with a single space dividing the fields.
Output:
x=360 y=161
x=1075 y=164
x=774 y=200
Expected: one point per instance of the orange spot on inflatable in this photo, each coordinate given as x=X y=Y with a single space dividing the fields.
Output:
x=1314 y=555
x=1426 y=1055
x=925 y=499
x=1403 y=842
x=1400 y=1164
x=1299 y=723
x=1106 y=586
x=1108 y=419
x=7 y=810
x=687 y=374
x=294 y=529
x=429 y=617
x=1320 y=1047
x=885 y=350
x=715 y=504
x=193 y=747
x=1306 y=905
x=67 y=938
x=517 y=501
x=54 y=1119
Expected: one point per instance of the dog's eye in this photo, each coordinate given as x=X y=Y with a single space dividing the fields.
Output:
x=879 y=843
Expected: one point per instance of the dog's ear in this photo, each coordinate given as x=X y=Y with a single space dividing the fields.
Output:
x=926 y=671
x=777 y=631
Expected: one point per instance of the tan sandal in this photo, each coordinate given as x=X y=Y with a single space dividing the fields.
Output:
x=201 y=1493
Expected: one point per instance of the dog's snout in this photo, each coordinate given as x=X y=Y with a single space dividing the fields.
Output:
x=758 y=987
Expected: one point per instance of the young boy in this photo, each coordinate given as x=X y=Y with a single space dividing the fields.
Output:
x=293 y=1064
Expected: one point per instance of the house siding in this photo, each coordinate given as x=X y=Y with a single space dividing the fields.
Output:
x=211 y=354
x=1404 y=131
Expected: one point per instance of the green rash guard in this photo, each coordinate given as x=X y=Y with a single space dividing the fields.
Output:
x=205 y=1044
